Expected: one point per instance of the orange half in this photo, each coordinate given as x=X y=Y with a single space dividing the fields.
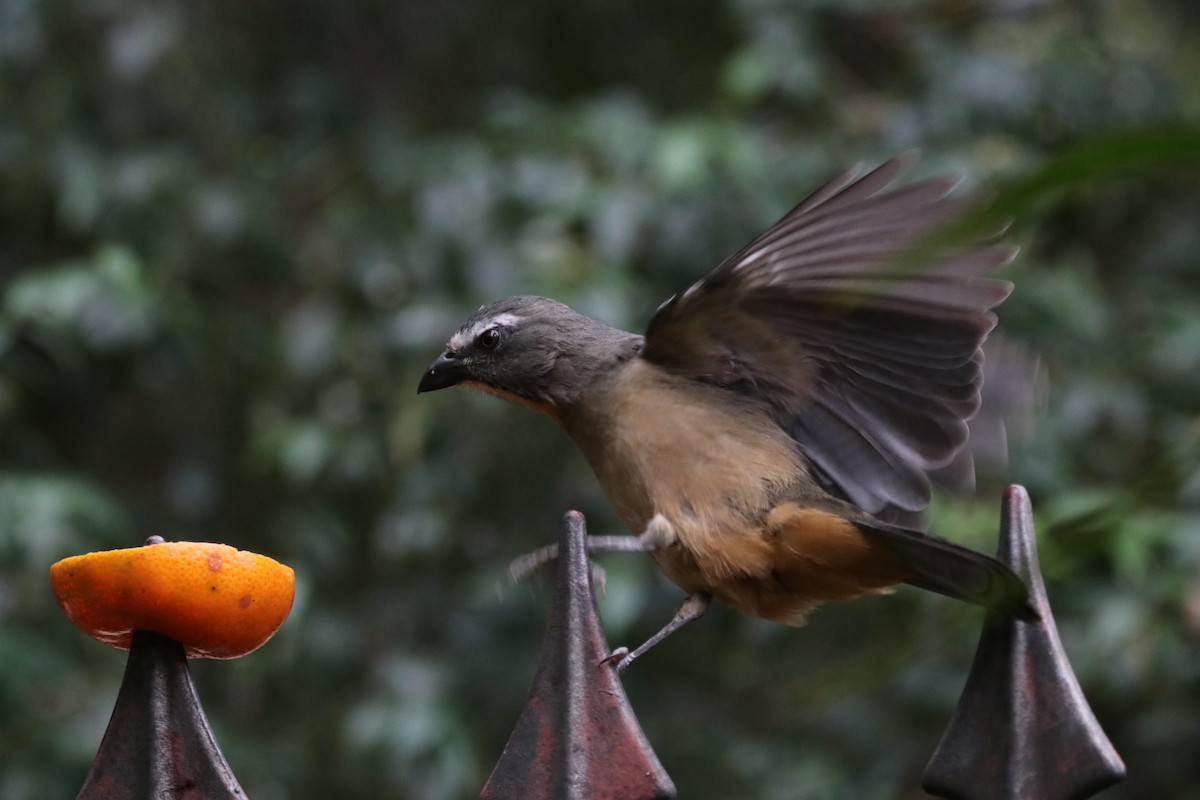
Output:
x=215 y=600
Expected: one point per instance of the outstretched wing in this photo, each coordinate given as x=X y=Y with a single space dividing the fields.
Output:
x=862 y=337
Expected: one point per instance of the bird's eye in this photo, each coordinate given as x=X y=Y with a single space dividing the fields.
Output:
x=488 y=339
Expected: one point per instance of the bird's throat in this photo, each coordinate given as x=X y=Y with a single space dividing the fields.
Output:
x=537 y=405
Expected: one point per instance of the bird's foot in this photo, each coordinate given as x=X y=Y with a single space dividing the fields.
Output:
x=691 y=609
x=525 y=565
x=522 y=567
x=658 y=534
x=620 y=656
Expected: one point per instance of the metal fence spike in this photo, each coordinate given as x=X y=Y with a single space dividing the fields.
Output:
x=158 y=744
x=1023 y=729
x=577 y=737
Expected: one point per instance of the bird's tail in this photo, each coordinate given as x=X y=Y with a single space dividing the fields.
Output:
x=953 y=570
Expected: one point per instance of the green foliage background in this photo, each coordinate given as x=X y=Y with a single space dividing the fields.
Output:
x=232 y=234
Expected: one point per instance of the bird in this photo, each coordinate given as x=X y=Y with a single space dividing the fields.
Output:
x=769 y=440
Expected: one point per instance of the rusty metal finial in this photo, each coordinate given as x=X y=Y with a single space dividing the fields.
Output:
x=158 y=744
x=1023 y=728
x=577 y=737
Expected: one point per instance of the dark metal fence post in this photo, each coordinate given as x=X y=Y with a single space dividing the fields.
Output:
x=1022 y=728
x=577 y=737
x=158 y=744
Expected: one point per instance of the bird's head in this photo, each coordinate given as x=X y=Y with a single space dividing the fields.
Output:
x=530 y=350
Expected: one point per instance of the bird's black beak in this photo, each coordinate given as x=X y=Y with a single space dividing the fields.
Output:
x=444 y=372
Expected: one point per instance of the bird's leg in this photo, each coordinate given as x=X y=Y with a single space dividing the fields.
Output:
x=691 y=609
x=658 y=534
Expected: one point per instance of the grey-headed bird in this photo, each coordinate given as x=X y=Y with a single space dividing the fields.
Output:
x=769 y=439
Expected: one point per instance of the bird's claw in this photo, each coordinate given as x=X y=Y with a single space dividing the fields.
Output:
x=524 y=566
x=621 y=656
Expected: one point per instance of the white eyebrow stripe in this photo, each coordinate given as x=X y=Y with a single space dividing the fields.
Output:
x=506 y=320
x=463 y=338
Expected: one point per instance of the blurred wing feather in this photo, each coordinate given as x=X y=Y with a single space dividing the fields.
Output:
x=862 y=337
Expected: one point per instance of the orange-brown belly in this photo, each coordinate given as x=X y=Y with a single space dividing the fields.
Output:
x=793 y=560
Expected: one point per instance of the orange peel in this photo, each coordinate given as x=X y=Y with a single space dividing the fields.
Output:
x=215 y=600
